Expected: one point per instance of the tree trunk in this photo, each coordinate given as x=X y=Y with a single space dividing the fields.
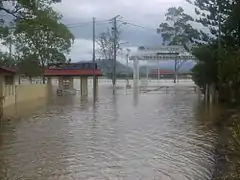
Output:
x=43 y=79
x=30 y=80
x=212 y=93
x=19 y=79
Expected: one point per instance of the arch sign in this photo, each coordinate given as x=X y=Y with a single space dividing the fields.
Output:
x=161 y=53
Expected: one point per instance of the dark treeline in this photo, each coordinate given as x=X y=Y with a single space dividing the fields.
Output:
x=216 y=46
x=34 y=35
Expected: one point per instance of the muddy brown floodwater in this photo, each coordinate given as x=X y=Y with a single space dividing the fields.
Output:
x=160 y=137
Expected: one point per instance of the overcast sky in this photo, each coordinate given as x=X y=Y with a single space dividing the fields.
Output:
x=78 y=14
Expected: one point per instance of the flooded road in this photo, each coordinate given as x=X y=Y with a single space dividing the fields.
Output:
x=160 y=137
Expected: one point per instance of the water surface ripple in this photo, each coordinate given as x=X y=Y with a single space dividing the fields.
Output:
x=159 y=138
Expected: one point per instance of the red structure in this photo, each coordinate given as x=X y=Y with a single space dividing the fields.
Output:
x=162 y=72
x=67 y=72
x=168 y=74
x=8 y=70
x=73 y=69
x=71 y=72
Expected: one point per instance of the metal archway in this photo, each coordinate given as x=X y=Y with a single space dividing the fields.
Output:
x=158 y=53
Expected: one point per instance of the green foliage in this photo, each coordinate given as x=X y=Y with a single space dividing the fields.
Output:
x=220 y=65
x=207 y=62
x=24 y=9
x=211 y=13
x=43 y=38
x=36 y=33
x=29 y=66
x=220 y=61
x=6 y=60
x=177 y=29
x=199 y=74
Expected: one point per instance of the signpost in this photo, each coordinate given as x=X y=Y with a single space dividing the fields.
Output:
x=162 y=49
x=159 y=53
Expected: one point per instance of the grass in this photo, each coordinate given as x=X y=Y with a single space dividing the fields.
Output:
x=228 y=164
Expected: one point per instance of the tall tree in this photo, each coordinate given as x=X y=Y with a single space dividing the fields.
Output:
x=6 y=60
x=177 y=29
x=44 y=38
x=29 y=66
x=20 y=11
x=24 y=9
x=205 y=72
x=106 y=44
x=222 y=18
x=212 y=13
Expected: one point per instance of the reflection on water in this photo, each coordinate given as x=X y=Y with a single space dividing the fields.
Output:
x=24 y=108
x=159 y=137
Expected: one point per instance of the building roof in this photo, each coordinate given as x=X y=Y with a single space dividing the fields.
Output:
x=71 y=72
x=8 y=70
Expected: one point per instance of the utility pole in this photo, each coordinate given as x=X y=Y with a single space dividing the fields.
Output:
x=115 y=52
x=127 y=59
x=175 y=70
x=115 y=31
x=94 y=61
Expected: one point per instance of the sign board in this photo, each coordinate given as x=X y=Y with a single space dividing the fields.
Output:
x=161 y=57
x=179 y=49
x=157 y=53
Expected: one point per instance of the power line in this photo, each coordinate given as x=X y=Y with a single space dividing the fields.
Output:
x=103 y=22
x=86 y=22
x=81 y=26
x=136 y=25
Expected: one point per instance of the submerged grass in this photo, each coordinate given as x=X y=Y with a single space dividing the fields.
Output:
x=228 y=150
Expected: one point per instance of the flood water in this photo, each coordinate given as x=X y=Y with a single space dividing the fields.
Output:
x=158 y=136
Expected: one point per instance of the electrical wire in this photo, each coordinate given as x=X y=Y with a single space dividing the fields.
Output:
x=85 y=24
x=88 y=22
x=136 y=25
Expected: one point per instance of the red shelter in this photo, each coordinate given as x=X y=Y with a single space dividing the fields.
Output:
x=73 y=69
x=67 y=72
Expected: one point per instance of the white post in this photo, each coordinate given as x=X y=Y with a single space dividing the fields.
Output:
x=147 y=70
x=127 y=58
x=158 y=75
x=199 y=93
x=135 y=75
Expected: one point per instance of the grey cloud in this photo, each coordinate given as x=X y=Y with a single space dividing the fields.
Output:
x=147 y=13
x=131 y=34
x=144 y=13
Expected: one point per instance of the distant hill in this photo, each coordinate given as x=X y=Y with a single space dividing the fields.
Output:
x=106 y=67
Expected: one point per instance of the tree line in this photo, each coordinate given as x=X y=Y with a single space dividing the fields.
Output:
x=215 y=44
x=34 y=34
